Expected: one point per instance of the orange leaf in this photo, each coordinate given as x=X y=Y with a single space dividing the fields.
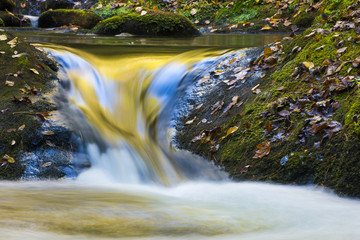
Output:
x=263 y=149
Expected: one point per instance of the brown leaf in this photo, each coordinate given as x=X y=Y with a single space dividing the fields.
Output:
x=269 y=127
x=263 y=149
x=216 y=107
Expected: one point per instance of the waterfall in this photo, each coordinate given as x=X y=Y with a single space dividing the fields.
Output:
x=122 y=110
x=34 y=20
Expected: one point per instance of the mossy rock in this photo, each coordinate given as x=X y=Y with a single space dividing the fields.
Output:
x=10 y=20
x=61 y=17
x=56 y=4
x=153 y=23
x=304 y=20
x=6 y=4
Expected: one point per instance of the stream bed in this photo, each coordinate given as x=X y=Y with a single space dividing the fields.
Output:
x=138 y=187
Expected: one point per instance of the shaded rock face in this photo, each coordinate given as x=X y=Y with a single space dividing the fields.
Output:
x=38 y=146
x=153 y=23
x=10 y=20
x=61 y=17
x=6 y=4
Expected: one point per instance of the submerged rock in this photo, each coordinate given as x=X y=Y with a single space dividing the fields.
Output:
x=61 y=17
x=10 y=20
x=150 y=23
x=6 y=4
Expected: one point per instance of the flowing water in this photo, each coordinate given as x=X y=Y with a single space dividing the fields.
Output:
x=120 y=94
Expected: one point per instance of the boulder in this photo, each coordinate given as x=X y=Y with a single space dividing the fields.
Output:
x=150 y=23
x=9 y=20
x=6 y=4
x=56 y=4
x=61 y=17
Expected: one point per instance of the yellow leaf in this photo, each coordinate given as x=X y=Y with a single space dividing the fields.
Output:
x=268 y=52
x=21 y=127
x=34 y=71
x=309 y=65
x=267 y=27
x=8 y=159
x=231 y=130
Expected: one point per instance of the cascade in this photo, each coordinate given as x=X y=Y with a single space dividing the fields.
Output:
x=128 y=103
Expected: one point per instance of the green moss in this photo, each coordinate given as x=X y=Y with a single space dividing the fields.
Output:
x=154 y=23
x=23 y=62
x=61 y=17
x=9 y=20
x=304 y=20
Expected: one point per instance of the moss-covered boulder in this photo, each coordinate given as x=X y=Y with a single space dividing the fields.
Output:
x=9 y=20
x=153 y=23
x=6 y=4
x=61 y=17
x=56 y=4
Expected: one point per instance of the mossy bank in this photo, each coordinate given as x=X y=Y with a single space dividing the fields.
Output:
x=27 y=77
x=300 y=125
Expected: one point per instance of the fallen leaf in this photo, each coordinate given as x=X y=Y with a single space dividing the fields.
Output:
x=268 y=52
x=9 y=83
x=287 y=23
x=193 y=11
x=3 y=37
x=13 y=142
x=256 y=89
x=216 y=107
x=13 y=42
x=309 y=65
x=47 y=164
x=341 y=50
x=190 y=121
x=8 y=159
x=265 y=28
x=21 y=127
x=47 y=133
x=34 y=71
x=284 y=113
x=269 y=127
x=263 y=149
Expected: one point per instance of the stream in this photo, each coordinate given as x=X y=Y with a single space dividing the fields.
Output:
x=121 y=94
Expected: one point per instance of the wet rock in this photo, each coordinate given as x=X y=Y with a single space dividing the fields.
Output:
x=10 y=20
x=56 y=4
x=6 y=4
x=62 y=17
x=150 y=23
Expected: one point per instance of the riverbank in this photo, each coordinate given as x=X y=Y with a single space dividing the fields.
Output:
x=299 y=124
x=32 y=145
